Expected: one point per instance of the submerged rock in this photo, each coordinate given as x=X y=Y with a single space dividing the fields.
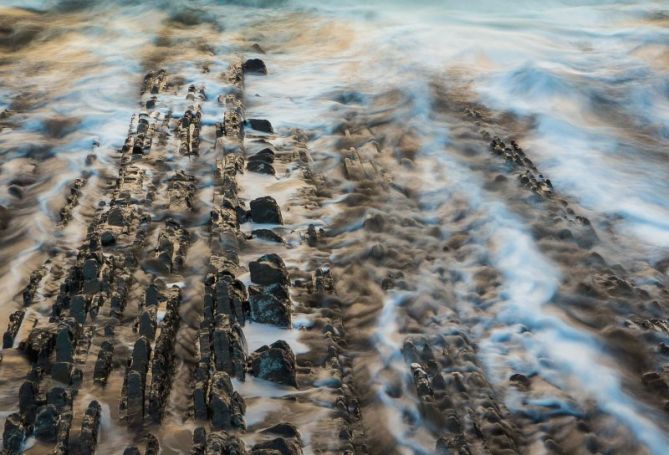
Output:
x=260 y=167
x=254 y=66
x=266 y=155
x=267 y=234
x=287 y=430
x=259 y=125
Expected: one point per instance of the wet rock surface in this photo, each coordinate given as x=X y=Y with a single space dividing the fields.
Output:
x=420 y=284
x=274 y=363
x=266 y=210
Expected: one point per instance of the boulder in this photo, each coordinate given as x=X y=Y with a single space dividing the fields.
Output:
x=116 y=217
x=266 y=234
x=268 y=269
x=200 y=401
x=274 y=363
x=90 y=269
x=287 y=430
x=254 y=66
x=270 y=305
x=266 y=210
x=64 y=425
x=278 y=445
x=46 y=423
x=267 y=155
x=226 y=406
x=107 y=239
x=260 y=167
x=259 y=125
x=229 y=294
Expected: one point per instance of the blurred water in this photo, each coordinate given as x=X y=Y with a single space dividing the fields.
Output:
x=592 y=78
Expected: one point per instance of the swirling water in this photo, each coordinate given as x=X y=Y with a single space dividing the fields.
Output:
x=588 y=81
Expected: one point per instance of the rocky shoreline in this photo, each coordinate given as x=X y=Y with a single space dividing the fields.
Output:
x=223 y=284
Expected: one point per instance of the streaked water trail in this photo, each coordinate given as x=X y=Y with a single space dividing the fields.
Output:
x=479 y=303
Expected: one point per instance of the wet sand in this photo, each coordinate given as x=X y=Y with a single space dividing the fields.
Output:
x=273 y=229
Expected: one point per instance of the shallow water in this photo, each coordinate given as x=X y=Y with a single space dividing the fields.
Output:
x=582 y=86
